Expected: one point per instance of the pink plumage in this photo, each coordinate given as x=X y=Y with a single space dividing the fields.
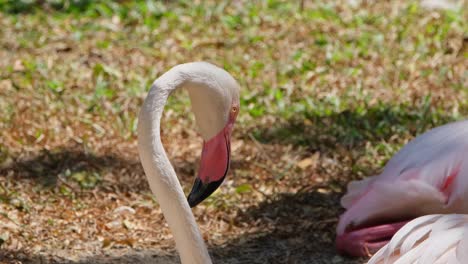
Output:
x=437 y=239
x=427 y=176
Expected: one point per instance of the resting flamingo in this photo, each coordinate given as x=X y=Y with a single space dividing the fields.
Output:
x=214 y=98
x=427 y=176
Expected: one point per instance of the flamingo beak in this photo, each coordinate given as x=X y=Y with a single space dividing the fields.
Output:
x=214 y=165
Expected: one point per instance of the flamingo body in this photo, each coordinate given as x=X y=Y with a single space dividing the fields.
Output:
x=427 y=176
x=437 y=239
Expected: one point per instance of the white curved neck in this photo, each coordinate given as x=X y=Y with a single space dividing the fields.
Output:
x=161 y=175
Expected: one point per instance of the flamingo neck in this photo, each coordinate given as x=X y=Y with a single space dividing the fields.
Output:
x=162 y=177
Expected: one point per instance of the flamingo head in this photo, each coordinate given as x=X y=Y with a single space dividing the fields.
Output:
x=216 y=107
x=214 y=162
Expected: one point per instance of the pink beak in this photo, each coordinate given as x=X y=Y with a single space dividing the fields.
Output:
x=214 y=165
x=367 y=241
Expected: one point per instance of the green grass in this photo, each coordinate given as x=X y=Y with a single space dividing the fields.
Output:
x=350 y=84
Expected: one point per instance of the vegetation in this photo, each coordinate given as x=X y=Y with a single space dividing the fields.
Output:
x=330 y=92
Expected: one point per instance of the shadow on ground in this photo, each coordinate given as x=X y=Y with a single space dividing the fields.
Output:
x=295 y=228
x=298 y=228
x=49 y=167
x=352 y=128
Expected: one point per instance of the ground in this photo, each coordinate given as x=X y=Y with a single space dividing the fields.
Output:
x=329 y=93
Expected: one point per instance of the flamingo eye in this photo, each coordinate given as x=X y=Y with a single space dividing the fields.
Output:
x=234 y=109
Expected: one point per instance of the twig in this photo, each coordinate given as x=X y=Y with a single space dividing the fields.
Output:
x=9 y=218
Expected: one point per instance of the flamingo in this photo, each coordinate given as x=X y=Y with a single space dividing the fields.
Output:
x=427 y=176
x=439 y=239
x=214 y=96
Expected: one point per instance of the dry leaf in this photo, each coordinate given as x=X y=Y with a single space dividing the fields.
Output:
x=114 y=224
x=128 y=224
x=310 y=161
x=106 y=242
x=129 y=241
x=124 y=209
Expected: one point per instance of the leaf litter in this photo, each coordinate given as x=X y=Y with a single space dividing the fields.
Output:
x=330 y=92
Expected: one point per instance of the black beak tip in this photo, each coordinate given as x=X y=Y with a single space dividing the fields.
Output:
x=194 y=196
x=191 y=201
x=201 y=191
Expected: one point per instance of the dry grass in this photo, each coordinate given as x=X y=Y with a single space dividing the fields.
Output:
x=330 y=92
